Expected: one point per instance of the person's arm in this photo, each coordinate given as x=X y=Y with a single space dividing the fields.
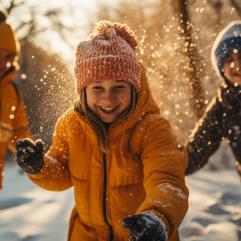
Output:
x=20 y=125
x=205 y=137
x=166 y=193
x=50 y=170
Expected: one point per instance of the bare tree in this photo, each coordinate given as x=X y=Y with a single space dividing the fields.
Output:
x=217 y=5
x=13 y=4
x=196 y=91
x=236 y=6
x=44 y=78
x=32 y=27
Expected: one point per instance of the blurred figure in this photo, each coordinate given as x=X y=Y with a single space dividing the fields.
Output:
x=13 y=120
x=222 y=118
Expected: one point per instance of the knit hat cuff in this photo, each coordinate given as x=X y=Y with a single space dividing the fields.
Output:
x=107 y=68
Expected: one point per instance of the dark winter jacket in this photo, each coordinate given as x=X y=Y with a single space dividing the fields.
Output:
x=222 y=119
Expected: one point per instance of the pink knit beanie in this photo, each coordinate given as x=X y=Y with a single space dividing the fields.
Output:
x=109 y=54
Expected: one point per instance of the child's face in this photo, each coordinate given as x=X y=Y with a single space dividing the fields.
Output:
x=232 y=68
x=108 y=98
x=6 y=60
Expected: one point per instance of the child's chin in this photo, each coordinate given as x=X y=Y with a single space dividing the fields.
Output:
x=107 y=120
x=237 y=79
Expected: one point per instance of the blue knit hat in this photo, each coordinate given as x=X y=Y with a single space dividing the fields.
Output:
x=227 y=40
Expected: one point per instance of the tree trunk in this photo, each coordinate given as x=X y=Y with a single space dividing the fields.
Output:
x=196 y=91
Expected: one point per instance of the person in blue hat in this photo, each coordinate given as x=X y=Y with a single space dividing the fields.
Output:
x=222 y=118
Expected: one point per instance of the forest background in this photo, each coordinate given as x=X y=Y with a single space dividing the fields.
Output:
x=175 y=38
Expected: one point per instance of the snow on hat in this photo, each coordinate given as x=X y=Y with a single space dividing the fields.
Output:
x=227 y=40
x=109 y=54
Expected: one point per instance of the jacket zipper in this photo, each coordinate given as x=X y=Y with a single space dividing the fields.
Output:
x=104 y=198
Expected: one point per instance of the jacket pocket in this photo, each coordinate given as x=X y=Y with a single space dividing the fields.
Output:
x=80 y=231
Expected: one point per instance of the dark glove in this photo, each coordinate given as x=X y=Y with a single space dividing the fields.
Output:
x=29 y=155
x=145 y=227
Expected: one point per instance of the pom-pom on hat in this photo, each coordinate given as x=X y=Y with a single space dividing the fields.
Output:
x=109 y=54
x=227 y=40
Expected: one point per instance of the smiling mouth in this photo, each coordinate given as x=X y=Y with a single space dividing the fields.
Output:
x=108 y=110
x=237 y=75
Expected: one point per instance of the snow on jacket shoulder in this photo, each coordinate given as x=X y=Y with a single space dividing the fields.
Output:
x=142 y=171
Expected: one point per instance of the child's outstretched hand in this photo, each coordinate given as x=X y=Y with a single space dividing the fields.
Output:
x=145 y=227
x=29 y=155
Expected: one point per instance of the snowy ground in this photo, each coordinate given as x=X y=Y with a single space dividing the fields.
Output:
x=29 y=213
x=214 y=207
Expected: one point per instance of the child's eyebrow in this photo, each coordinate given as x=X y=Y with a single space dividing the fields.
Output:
x=121 y=82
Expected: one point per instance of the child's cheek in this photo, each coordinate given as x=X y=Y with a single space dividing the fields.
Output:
x=124 y=99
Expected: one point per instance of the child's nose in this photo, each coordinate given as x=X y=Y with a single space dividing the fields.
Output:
x=108 y=96
x=236 y=65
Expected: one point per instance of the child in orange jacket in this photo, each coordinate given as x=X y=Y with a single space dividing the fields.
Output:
x=113 y=148
x=13 y=119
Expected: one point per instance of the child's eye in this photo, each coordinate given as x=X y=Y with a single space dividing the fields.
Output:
x=119 y=88
x=97 y=88
x=228 y=60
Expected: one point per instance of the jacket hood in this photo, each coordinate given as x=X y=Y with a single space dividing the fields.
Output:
x=9 y=41
x=145 y=104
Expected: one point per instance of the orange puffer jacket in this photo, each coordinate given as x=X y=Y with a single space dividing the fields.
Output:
x=142 y=171
x=13 y=118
